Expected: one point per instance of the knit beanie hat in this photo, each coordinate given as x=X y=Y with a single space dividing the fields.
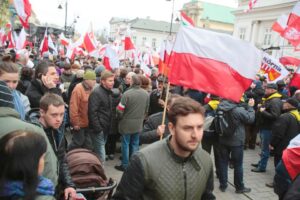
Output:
x=6 y=97
x=89 y=75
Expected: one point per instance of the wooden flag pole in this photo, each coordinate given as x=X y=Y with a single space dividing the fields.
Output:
x=165 y=108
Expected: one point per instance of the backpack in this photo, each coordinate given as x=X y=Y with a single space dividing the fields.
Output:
x=224 y=123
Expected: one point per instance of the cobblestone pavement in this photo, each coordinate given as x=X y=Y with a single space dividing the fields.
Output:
x=256 y=181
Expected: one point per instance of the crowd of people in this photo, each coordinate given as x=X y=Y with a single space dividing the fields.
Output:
x=101 y=107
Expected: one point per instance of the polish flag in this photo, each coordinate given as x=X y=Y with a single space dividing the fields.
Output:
x=111 y=60
x=52 y=46
x=128 y=44
x=287 y=60
x=291 y=157
x=250 y=5
x=21 y=40
x=63 y=40
x=213 y=62
x=2 y=37
x=23 y=8
x=44 y=44
x=164 y=57
x=294 y=15
x=296 y=79
x=281 y=24
x=88 y=43
x=186 y=20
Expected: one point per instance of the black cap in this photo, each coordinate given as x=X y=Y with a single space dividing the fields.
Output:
x=280 y=83
x=293 y=101
x=272 y=86
x=6 y=97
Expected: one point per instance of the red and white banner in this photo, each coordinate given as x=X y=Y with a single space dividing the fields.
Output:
x=272 y=69
x=281 y=24
x=21 y=39
x=128 y=44
x=44 y=44
x=292 y=32
x=88 y=42
x=63 y=40
x=213 y=62
x=186 y=20
x=23 y=8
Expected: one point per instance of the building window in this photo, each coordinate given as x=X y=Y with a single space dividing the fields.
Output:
x=242 y=33
x=134 y=39
x=267 y=36
x=154 y=43
x=144 y=41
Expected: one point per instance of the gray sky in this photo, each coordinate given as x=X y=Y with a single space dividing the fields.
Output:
x=99 y=12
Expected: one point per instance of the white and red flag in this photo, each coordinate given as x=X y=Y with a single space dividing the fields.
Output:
x=213 y=62
x=111 y=60
x=291 y=157
x=281 y=24
x=288 y=60
x=292 y=32
x=11 y=40
x=23 y=8
x=44 y=44
x=88 y=42
x=63 y=40
x=295 y=81
x=251 y=4
x=128 y=44
x=21 y=39
x=186 y=20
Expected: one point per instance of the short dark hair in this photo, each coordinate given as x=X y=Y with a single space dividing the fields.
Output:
x=51 y=99
x=20 y=153
x=42 y=68
x=183 y=106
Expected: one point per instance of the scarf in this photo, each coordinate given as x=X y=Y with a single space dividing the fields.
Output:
x=275 y=95
x=296 y=114
x=15 y=188
x=19 y=107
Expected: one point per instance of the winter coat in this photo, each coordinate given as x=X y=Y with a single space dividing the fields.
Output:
x=285 y=128
x=241 y=116
x=36 y=90
x=100 y=110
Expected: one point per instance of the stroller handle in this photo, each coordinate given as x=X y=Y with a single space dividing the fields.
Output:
x=112 y=185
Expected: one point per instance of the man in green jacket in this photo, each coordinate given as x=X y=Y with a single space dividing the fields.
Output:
x=10 y=121
x=131 y=111
x=175 y=168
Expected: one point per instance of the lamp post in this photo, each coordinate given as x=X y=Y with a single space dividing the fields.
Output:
x=172 y=15
x=66 y=14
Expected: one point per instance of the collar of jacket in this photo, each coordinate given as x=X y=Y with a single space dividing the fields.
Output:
x=213 y=104
x=274 y=95
x=105 y=89
x=191 y=158
x=296 y=114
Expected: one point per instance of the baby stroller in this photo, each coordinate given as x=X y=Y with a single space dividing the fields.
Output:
x=88 y=175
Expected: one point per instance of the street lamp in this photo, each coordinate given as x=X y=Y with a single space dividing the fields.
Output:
x=271 y=48
x=66 y=14
x=172 y=15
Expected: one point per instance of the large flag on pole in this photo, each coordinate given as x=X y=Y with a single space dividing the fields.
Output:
x=213 y=62
x=21 y=39
x=23 y=8
x=44 y=44
x=281 y=24
x=128 y=44
x=292 y=32
x=111 y=60
x=291 y=157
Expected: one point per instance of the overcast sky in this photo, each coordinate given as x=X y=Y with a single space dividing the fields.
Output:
x=99 y=12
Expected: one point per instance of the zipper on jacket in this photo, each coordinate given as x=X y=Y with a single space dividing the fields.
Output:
x=185 y=181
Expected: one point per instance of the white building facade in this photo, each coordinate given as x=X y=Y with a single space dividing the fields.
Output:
x=256 y=26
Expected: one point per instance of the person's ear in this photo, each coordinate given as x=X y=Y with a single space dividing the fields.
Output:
x=171 y=128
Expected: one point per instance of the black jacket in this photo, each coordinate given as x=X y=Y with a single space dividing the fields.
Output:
x=285 y=128
x=273 y=109
x=154 y=106
x=100 y=110
x=36 y=90
x=59 y=145
x=149 y=130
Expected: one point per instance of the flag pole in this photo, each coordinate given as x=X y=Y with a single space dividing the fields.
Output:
x=165 y=108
